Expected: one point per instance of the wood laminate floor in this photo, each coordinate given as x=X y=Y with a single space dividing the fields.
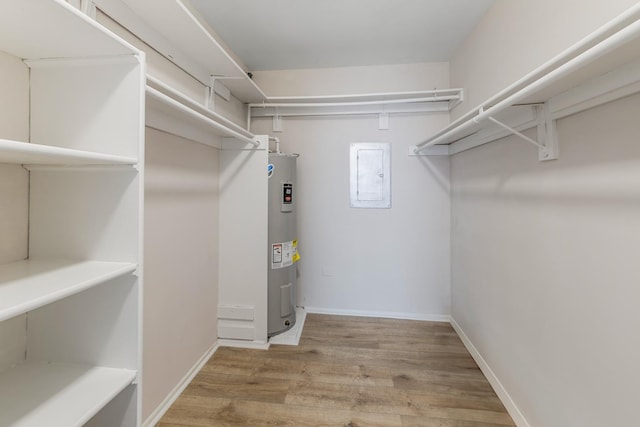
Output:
x=347 y=371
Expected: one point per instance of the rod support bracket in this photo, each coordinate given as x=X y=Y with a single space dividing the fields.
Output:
x=383 y=121
x=277 y=122
x=547 y=142
x=547 y=133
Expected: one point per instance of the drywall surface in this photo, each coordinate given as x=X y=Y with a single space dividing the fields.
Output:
x=243 y=243
x=515 y=37
x=354 y=80
x=543 y=254
x=545 y=267
x=181 y=261
x=387 y=262
x=168 y=72
x=14 y=195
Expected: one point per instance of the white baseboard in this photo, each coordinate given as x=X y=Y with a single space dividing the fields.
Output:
x=259 y=345
x=155 y=416
x=384 y=314
x=502 y=393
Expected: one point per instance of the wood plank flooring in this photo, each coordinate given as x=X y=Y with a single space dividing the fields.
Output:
x=347 y=371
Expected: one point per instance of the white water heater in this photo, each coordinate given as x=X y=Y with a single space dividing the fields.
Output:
x=283 y=243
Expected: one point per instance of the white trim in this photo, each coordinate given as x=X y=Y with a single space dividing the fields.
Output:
x=383 y=314
x=255 y=344
x=502 y=393
x=157 y=414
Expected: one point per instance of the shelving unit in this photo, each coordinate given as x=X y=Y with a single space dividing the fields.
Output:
x=53 y=394
x=30 y=284
x=79 y=291
x=190 y=37
x=602 y=67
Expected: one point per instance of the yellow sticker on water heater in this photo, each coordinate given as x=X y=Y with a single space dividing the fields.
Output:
x=296 y=255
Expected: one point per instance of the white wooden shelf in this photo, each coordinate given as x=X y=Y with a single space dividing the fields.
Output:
x=57 y=395
x=36 y=154
x=27 y=285
x=53 y=29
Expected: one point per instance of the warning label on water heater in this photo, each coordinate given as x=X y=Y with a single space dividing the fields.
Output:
x=284 y=254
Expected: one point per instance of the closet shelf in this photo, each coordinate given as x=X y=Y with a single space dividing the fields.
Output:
x=36 y=154
x=602 y=67
x=53 y=29
x=193 y=45
x=36 y=394
x=179 y=115
x=27 y=285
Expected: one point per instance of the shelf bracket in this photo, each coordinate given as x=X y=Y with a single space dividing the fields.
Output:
x=383 y=121
x=547 y=142
x=515 y=132
x=216 y=88
x=547 y=133
x=277 y=121
x=210 y=96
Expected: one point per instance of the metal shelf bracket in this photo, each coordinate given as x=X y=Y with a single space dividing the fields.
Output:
x=547 y=133
x=547 y=142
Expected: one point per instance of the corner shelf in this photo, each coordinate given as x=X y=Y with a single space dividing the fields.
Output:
x=37 y=154
x=602 y=67
x=27 y=285
x=36 y=394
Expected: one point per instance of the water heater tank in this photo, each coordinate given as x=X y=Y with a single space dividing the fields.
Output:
x=282 y=248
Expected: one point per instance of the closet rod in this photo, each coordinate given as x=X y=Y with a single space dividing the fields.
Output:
x=356 y=103
x=379 y=96
x=181 y=97
x=199 y=116
x=610 y=43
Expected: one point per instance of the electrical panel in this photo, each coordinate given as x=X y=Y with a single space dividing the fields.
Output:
x=370 y=183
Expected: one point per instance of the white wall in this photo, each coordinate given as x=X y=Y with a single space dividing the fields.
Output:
x=161 y=68
x=544 y=255
x=181 y=261
x=389 y=262
x=515 y=37
x=545 y=267
x=350 y=80
x=243 y=243
x=14 y=195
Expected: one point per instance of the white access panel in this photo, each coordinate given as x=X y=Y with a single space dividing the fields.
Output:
x=370 y=170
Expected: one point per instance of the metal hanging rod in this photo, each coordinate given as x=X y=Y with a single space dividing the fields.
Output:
x=432 y=98
x=187 y=101
x=225 y=130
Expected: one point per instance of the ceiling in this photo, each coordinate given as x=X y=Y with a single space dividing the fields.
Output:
x=292 y=34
